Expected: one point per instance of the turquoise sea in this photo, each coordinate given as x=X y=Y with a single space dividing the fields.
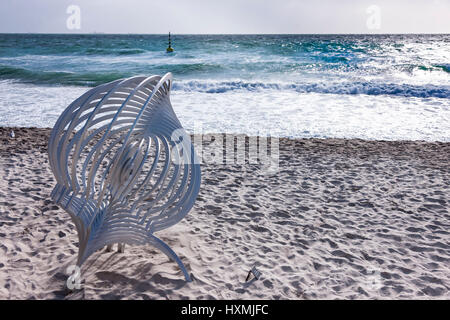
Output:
x=348 y=86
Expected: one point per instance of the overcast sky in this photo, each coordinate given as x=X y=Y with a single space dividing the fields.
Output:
x=226 y=16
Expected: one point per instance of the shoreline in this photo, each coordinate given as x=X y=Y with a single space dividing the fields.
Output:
x=341 y=219
x=46 y=130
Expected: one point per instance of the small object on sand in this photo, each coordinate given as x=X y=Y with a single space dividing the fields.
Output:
x=256 y=273
x=12 y=134
x=27 y=231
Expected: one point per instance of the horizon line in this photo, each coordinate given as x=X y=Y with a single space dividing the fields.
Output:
x=211 y=34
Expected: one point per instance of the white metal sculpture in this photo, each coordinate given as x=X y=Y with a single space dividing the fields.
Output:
x=125 y=168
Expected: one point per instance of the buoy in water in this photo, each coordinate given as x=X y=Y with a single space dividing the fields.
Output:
x=169 y=48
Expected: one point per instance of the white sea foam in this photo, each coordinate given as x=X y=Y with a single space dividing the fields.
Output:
x=27 y=105
x=284 y=113
x=335 y=86
x=292 y=114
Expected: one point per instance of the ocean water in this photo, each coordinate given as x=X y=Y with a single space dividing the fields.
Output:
x=384 y=87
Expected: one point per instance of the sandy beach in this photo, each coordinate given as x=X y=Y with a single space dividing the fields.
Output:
x=341 y=219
